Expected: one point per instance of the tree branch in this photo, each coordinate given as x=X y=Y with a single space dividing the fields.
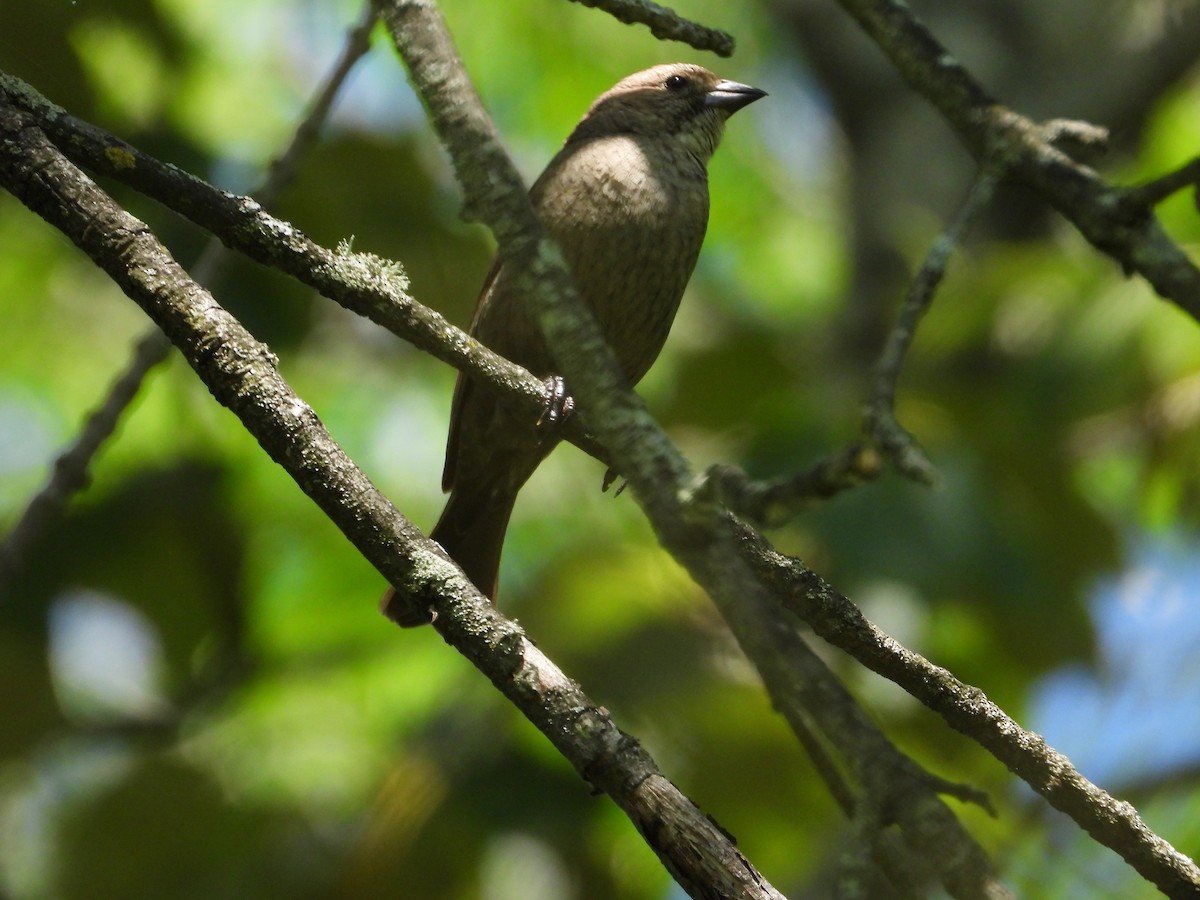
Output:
x=374 y=288
x=665 y=24
x=874 y=777
x=1117 y=221
x=880 y=420
x=967 y=709
x=775 y=502
x=71 y=470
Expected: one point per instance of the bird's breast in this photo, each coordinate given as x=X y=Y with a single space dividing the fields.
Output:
x=624 y=181
x=629 y=215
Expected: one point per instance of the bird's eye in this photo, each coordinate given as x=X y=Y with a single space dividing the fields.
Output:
x=676 y=83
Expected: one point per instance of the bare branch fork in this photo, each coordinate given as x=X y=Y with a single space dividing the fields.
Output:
x=1118 y=221
x=775 y=502
x=880 y=417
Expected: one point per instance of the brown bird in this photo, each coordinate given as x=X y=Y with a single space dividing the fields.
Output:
x=627 y=201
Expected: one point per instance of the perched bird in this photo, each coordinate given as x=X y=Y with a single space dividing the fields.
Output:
x=627 y=201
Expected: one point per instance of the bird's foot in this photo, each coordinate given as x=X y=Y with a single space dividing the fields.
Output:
x=559 y=403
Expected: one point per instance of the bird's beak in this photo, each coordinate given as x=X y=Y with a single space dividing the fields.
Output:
x=732 y=96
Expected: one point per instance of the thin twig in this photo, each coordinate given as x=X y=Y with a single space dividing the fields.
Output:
x=880 y=422
x=1155 y=192
x=283 y=170
x=70 y=472
x=665 y=24
x=775 y=502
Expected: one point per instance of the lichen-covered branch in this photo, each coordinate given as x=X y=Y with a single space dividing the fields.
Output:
x=371 y=287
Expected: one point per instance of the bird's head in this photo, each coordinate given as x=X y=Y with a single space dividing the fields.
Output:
x=678 y=101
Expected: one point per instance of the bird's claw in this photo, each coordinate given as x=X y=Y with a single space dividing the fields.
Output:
x=559 y=403
x=611 y=477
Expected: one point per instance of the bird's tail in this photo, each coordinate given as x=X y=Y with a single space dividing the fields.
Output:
x=471 y=530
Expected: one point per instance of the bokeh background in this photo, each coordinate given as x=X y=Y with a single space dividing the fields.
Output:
x=198 y=697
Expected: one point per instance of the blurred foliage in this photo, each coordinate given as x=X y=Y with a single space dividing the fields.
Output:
x=262 y=731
